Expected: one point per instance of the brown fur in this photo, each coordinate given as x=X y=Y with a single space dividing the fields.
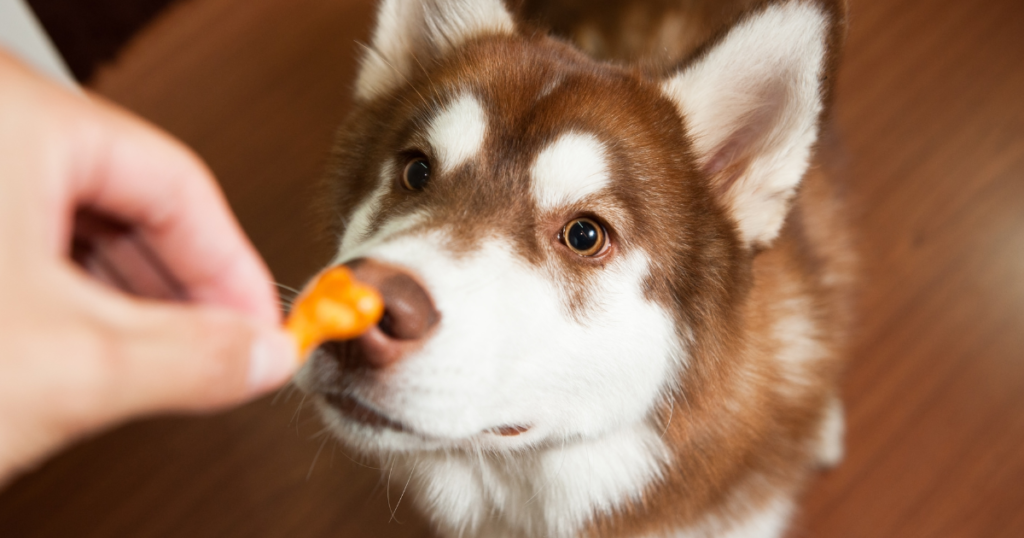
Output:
x=648 y=32
x=658 y=203
x=752 y=453
x=740 y=431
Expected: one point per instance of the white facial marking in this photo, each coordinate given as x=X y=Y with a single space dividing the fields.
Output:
x=396 y=226
x=359 y=223
x=508 y=344
x=457 y=133
x=571 y=168
x=507 y=352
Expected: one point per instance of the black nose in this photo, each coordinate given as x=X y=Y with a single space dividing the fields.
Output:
x=408 y=321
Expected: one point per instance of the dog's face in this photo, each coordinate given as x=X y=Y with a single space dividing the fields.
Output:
x=542 y=241
x=546 y=230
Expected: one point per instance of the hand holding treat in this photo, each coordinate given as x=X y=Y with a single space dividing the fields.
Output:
x=333 y=307
x=189 y=321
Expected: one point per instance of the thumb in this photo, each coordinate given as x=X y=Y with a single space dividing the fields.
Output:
x=194 y=357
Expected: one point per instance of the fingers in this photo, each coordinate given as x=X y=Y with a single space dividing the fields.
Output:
x=151 y=182
x=99 y=157
x=159 y=357
x=76 y=356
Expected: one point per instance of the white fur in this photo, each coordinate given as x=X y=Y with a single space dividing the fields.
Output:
x=509 y=349
x=358 y=224
x=571 y=378
x=550 y=492
x=388 y=229
x=754 y=99
x=569 y=169
x=829 y=449
x=411 y=31
x=769 y=521
x=457 y=133
x=585 y=385
x=799 y=340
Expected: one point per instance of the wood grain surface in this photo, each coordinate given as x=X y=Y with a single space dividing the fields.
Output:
x=931 y=113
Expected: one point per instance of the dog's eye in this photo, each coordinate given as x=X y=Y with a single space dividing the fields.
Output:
x=584 y=237
x=416 y=174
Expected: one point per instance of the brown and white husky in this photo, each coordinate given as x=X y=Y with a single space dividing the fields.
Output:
x=613 y=273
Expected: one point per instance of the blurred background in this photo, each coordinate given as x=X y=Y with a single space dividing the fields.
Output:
x=930 y=110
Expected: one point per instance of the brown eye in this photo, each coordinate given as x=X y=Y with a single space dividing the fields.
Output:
x=416 y=174
x=584 y=237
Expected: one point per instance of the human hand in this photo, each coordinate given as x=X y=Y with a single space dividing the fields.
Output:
x=76 y=355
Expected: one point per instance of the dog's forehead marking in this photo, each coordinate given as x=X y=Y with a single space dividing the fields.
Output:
x=457 y=133
x=569 y=169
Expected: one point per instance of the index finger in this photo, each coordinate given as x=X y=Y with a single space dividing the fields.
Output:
x=104 y=159
x=146 y=179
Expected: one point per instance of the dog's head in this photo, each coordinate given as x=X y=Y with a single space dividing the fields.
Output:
x=555 y=238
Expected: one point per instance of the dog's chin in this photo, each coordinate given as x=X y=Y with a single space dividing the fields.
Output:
x=365 y=428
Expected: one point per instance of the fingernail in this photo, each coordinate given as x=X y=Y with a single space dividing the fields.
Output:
x=272 y=361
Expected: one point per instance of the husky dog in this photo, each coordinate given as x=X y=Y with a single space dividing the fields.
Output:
x=614 y=277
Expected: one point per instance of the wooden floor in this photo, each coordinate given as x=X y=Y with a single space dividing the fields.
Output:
x=931 y=109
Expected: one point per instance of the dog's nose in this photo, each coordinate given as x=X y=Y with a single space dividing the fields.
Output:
x=409 y=315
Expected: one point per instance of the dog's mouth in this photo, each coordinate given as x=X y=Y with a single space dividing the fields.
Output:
x=364 y=414
x=509 y=431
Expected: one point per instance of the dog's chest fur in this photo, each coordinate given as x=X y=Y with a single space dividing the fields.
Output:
x=664 y=478
x=550 y=492
x=683 y=382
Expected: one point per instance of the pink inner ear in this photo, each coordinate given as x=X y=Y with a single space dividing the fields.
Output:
x=730 y=159
x=721 y=158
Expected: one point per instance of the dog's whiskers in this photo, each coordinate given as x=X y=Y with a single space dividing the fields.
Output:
x=357 y=462
x=402 y=495
x=287 y=288
x=284 y=302
x=316 y=456
x=298 y=411
x=285 y=392
x=671 y=412
x=387 y=488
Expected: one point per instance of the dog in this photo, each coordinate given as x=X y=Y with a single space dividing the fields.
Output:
x=615 y=274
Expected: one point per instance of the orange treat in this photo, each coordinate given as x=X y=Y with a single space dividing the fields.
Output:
x=333 y=307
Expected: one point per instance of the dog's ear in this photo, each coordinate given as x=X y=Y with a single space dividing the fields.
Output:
x=411 y=31
x=751 y=104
